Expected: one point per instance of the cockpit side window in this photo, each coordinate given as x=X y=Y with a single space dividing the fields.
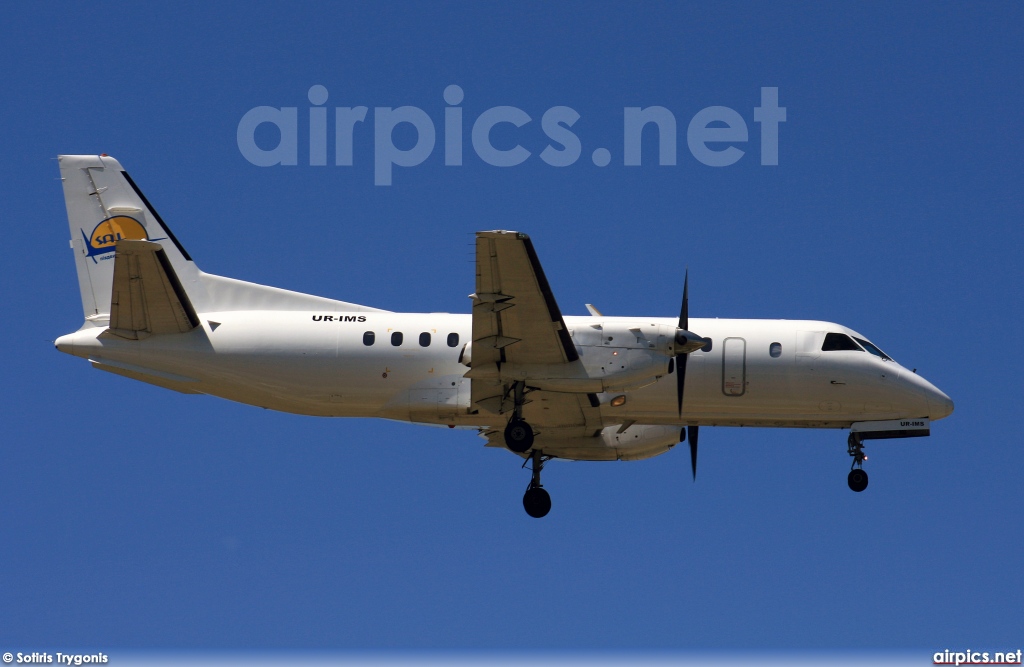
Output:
x=839 y=341
x=873 y=349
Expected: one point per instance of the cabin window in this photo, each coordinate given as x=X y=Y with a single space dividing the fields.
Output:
x=425 y=339
x=775 y=350
x=870 y=347
x=707 y=345
x=453 y=340
x=839 y=341
x=396 y=338
x=368 y=338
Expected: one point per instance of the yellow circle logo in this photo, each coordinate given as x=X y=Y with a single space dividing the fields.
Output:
x=106 y=235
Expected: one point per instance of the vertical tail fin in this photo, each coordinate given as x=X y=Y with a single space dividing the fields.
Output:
x=104 y=206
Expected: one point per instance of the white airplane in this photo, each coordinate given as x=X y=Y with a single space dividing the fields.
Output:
x=528 y=379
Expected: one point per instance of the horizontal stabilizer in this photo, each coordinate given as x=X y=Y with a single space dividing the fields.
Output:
x=165 y=380
x=147 y=298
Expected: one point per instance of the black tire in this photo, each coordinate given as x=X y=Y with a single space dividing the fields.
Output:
x=537 y=502
x=857 y=479
x=518 y=436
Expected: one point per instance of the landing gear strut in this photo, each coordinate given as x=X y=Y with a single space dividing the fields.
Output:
x=857 y=479
x=518 y=434
x=536 y=500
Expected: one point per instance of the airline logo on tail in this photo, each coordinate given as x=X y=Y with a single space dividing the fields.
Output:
x=105 y=236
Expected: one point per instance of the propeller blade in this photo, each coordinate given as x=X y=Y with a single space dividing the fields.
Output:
x=684 y=310
x=692 y=432
x=684 y=322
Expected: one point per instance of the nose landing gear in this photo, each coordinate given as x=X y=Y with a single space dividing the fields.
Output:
x=536 y=500
x=857 y=479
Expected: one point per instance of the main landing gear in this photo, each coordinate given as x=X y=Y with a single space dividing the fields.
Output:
x=857 y=479
x=536 y=500
x=519 y=438
x=518 y=434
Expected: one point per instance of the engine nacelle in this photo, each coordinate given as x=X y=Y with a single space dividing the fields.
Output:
x=638 y=441
x=627 y=356
x=662 y=338
x=613 y=357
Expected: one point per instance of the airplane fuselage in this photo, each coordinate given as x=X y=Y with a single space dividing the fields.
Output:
x=407 y=366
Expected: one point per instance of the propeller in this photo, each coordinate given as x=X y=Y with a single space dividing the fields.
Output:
x=692 y=431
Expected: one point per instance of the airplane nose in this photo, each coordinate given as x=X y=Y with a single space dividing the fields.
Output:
x=940 y=404
x=934 y=400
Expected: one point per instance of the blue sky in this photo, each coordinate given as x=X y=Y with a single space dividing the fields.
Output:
x=133 y=517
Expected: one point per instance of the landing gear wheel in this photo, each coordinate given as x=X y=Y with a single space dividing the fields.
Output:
x=857 y=479
x=519 y=436
x=536 y=502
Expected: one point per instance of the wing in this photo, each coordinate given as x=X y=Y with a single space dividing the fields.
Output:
x=516 y=320
x=515 y=316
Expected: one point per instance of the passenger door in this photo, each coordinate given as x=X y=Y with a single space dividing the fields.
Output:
x=734 y=366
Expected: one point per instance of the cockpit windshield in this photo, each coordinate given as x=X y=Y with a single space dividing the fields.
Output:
x=870 y=347
x=839 y=341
